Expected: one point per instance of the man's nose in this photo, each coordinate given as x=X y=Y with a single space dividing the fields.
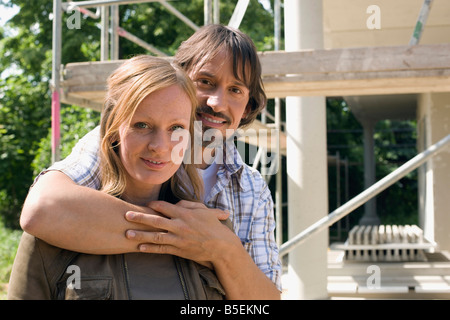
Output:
x=217 y=100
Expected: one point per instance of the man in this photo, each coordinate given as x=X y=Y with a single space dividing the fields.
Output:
x=59 y=209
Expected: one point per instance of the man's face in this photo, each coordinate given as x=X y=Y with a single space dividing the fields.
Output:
x=223 y=99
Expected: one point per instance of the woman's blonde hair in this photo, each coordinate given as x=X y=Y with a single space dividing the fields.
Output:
x=127 y=86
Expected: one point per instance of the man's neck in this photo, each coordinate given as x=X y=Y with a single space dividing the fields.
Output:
x=208 y=155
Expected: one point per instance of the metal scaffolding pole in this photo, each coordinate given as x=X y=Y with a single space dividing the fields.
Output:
x=87 y=12
x=114 y=53
x=238 y=13
x=100 y=3
x=216 y=11
x=278 y=181
x=104 y=40
x=55 y=82
x=207 y=12
x=179 y=15
x=421 y=20
x=125 y=34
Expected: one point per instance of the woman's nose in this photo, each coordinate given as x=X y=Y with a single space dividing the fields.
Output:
x=159 y=141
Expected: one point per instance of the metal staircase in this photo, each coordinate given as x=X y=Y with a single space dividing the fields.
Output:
x=428 y=279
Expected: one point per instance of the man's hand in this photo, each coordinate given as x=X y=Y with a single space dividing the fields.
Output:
x=187 y=229
x=193 y=231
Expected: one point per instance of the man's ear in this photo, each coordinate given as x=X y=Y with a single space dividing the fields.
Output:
x=247 y=111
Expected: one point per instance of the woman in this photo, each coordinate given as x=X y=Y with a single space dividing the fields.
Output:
x=149 y=102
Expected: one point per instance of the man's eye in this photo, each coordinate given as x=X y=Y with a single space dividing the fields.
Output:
x=205 y=82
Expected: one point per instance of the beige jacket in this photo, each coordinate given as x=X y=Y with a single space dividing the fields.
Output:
x=41 y=271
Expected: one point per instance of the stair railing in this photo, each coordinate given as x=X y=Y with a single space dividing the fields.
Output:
x=364 y=196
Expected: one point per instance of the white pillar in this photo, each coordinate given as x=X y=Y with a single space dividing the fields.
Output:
x=434 y=124
x=306 y=161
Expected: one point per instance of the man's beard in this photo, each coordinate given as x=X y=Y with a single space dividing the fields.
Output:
x=209 y=138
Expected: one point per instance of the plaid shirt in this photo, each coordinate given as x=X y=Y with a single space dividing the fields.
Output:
x=239 y=189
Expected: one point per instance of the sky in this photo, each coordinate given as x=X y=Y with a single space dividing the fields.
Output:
x=265 y=3
x=7 y=13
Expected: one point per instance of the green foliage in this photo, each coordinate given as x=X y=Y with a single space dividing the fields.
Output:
x=9 y=240
x=75 y=123
x=156 y=25
x=344 y=140
x=259 y=25
x=23 y=115
x=24 y=105
x=395 y=143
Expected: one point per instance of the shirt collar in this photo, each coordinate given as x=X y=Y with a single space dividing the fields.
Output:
x=232 y=161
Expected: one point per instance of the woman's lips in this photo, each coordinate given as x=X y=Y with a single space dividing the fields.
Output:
x=154 y=164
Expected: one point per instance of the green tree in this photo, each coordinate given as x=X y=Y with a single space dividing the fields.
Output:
x=344 y=140
x=395 y=143
x=22 y=118
x=23 y=110
x=25 y=58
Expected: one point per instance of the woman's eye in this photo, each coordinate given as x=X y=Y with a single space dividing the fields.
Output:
x=177 y=127
x=236 y=90
x=140 y=125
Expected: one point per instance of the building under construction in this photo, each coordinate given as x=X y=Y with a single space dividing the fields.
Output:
x=388 y=60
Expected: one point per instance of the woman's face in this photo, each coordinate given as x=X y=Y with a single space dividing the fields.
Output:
x=146 y=143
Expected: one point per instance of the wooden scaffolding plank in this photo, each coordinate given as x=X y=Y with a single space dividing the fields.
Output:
x=352 y=60
x=357 y=71
x=335 y=72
